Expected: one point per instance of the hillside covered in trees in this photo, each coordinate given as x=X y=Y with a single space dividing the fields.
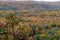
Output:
x=31 y=6
x=29 y=20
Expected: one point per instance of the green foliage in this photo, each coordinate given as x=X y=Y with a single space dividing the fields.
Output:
x=1 y=30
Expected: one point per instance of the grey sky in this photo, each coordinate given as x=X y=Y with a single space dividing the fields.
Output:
x=32 y=0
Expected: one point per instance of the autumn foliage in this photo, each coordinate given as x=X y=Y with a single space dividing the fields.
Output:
x=16 y=25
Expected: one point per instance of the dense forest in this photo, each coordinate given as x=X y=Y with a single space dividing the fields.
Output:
x=29 y=20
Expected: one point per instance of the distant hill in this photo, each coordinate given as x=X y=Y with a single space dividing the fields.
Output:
x=29 y=5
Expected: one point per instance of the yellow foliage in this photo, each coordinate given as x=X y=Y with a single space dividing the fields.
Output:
x=2 y=19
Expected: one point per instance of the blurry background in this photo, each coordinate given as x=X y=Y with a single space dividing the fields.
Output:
x=32 y=0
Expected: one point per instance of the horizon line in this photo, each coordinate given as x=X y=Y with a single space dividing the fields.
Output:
x=29 y=1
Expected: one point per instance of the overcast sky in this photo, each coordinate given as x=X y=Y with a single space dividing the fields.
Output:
x=46 y=0
x=32 y=0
